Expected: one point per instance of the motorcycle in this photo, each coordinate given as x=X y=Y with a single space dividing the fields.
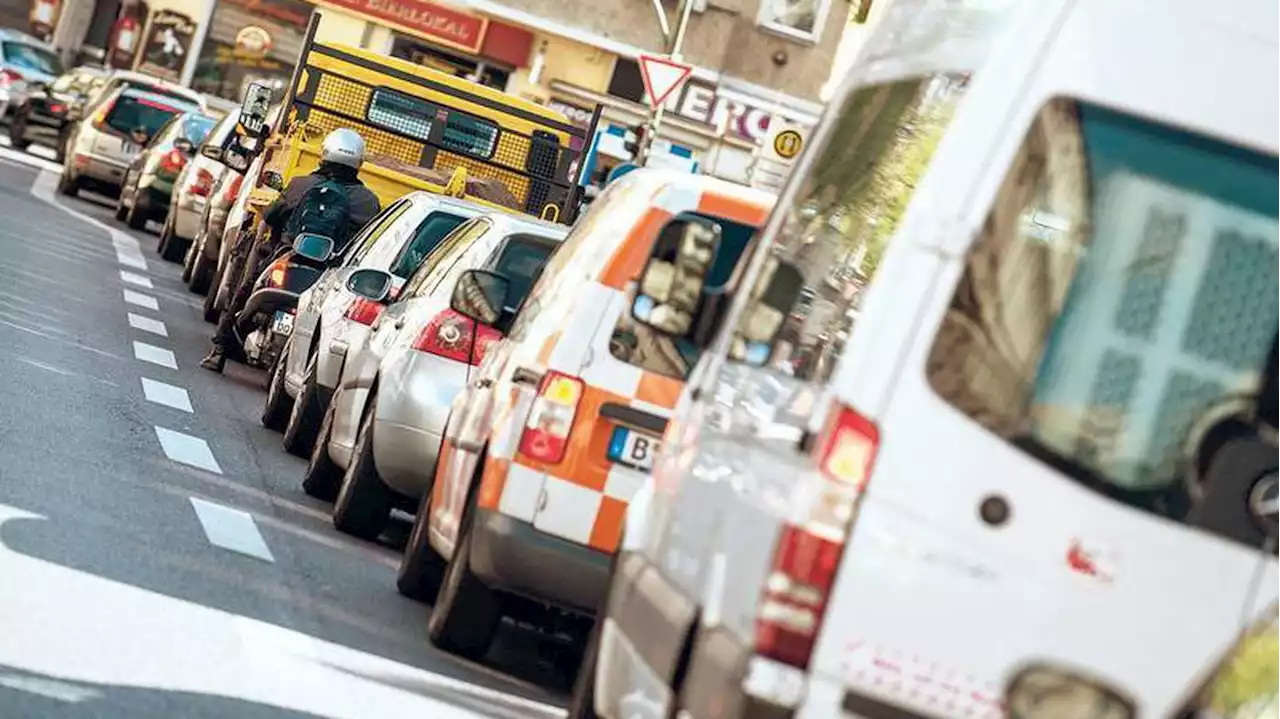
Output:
x=266 y=322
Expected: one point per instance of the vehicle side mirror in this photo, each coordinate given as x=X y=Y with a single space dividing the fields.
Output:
x=183 y=145
x=371 y=284
x=254 y=109
x=669 y=294
x=1043 y=691
x=213 y=152
x=317 y=248
x=481 y=295
x=768 y=306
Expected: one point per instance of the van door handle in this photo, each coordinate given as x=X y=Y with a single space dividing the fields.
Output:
x=526 y=376
x=399 y=323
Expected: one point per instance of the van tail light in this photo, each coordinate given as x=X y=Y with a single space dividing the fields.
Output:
x=550 y=422
x=232 y=190
x=275 y=276
x=450 y=335
x=203 y=184
x=10 y=77
x=364 y=311
x=811 y=544
x=173 y=161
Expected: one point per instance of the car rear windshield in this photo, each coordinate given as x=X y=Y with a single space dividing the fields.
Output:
x=1120 y=302
x=30 y=57
x=425 y=239
x=132 y=113
x=157 y=90
x=521 y=259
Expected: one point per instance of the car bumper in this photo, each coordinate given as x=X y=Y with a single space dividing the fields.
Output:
x=100 y=169
x=187 y=216
x=415 y=396
x=511 y=555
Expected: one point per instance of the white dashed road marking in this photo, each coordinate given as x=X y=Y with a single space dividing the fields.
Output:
x=185 y=449
x=166 y=394
x=231 y=529
x=131 y=259
x=146 y=324
x=141 y=300
x=154 y=355
x=135 y=279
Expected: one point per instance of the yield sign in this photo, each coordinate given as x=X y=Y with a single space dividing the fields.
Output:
x=661 y=77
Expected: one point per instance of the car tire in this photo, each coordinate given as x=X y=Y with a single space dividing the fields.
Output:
x=466 y=613
x=17 y=133
x=275 y=409
x=68 y=185
x=135 y=218
x=421 y=568
x=210 y=307
x=201 y=273
x=364 y=503
x=323 y=476
x=188 y=261
x=305 y=415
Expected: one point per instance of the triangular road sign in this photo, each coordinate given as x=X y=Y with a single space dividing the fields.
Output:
x=661 y=77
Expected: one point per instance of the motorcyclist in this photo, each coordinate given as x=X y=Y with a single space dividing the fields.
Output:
x=341 y=154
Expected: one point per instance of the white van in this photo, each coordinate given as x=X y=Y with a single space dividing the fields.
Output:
x=1041 y=479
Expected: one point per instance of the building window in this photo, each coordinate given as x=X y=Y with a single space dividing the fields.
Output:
x=795 y=18
x=626 y=82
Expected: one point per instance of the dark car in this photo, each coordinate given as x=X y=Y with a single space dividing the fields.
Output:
x=148 y=183
x=42 y=118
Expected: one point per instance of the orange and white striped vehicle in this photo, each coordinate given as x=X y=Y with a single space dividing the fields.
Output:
x=559 y=426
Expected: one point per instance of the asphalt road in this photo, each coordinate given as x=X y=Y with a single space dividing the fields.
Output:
x=157 y=556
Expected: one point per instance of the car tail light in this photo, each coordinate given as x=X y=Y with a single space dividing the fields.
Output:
x=203 y=184
x=57 y=108
x=10 y=77
x=232 y=190
x=550 y=422
x=450 y=335
x=173 y=161
x=810 y=547
x=276 y=272
x=364 y=311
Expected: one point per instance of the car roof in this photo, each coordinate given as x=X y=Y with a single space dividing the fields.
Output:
x=474 y=209
x=509 y=223
x=131 y=76
x=176 y=103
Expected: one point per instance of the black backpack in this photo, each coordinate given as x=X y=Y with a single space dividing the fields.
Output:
x=323 y=211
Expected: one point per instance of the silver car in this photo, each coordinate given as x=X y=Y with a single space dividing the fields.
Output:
x=379 y=439
x=331 y=317
x=106 y=143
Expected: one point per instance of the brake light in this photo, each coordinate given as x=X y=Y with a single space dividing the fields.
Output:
x=364 y=311
x=450 y=335
x=203 y=184
x=809 y=548
x=233 y=190
x=173 y=161
x=550 y=422
x=275 y=276
x=10 y=77
x=57 y=108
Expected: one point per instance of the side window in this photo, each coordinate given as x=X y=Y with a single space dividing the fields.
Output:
x=446 y=253
x=371 y=232
x=429 y=234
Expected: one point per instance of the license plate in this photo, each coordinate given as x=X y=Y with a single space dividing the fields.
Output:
x=283 y=323
x=633 y=449
x=130 y=150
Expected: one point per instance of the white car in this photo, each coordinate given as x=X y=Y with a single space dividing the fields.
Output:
x=1040 y=481
x=331 y=317
x=381 y=437
x=192 y=191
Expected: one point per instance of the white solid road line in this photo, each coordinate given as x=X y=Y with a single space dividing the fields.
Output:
x=146 y=324
x=231 y=529
x=141 y=300
x=154 y=355
x=166 y=394
x=185 y=449
x=135 y=279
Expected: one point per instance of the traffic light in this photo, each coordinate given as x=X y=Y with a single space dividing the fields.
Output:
x=634 y=146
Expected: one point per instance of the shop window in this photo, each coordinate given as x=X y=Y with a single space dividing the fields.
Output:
x=796 y=18
x=626 y=81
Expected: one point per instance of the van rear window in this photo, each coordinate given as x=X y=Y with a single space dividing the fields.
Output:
x=1119 y=303
x=132 y=113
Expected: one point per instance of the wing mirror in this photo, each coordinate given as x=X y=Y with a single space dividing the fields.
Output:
x=481 y=295
x=254 y=109
x=213 y=152
x=1044 y=691
x=371 y=284
x=771 y=301
x=669 y=295
x=316 y=248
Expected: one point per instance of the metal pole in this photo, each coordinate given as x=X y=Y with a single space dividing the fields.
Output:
x=672 y=48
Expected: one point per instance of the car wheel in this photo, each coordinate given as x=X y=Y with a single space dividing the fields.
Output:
x=188 y=260
x=68 y=185
x=210 y=308
x=305 y=416
x=466 y=613
x=135 y=218
x=322 y=477
x=275 y=410
x=18 y=132
x=201 y=273
x=364 y=503
x=421 y=568
x=170 y=244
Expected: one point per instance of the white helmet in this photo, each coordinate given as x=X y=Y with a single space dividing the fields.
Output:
x=343 y=147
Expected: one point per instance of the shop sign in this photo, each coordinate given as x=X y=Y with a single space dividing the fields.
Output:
x=433 y=22
x=168 y=42
x=700 y=102
x=577 y=114
x=253 y=41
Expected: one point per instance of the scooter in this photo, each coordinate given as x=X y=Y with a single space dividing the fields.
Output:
x=264 y=325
